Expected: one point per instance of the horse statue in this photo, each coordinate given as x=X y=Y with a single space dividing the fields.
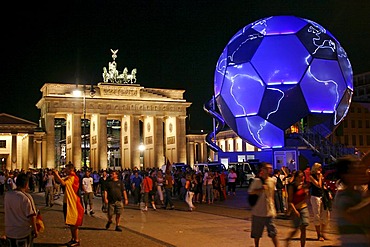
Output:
x=132 y=77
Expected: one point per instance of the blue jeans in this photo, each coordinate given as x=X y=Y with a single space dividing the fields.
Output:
x=168 y=199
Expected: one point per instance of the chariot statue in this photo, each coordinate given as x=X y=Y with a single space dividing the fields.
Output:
x=112 y=75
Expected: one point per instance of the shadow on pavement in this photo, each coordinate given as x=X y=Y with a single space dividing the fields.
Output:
x=82 y=228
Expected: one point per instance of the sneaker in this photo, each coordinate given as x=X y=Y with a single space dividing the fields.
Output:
x=118 y=229
x=92 y=213
x=108 y=225
x=70 y=242
x=74 y=243
x=172 y=207
x=85 y=211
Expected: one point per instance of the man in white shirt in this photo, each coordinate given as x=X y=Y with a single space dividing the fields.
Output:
x=87 y=187
x=20 y=214
x=263 y=211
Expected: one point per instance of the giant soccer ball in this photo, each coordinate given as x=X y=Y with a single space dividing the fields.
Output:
x=278 y=70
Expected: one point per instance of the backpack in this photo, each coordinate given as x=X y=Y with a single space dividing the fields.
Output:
x=253 y=198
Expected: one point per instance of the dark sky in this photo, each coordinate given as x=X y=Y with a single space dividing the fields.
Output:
x=173 y=44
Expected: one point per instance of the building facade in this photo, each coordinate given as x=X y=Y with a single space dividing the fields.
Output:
x=20 y=143
x=151 y=124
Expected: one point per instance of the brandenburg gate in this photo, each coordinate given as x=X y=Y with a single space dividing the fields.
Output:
x=151 y=117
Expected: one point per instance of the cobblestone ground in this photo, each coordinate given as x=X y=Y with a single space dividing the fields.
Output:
x=220 y=224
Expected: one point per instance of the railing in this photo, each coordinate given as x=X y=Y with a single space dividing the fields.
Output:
x=322 y=146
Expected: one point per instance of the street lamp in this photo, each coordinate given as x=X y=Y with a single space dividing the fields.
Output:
x=78 y=93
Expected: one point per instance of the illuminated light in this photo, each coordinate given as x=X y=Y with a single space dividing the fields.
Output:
x=290 y=82
x=273 y=83
x=252 y=114
x=141 y=147
x=282 y=33
x=277 y=146
x=77 y=93
x=276 y=63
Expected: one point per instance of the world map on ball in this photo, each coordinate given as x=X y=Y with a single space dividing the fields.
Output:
x=278 y=70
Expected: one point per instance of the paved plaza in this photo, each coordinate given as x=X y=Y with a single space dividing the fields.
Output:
x=220 y=224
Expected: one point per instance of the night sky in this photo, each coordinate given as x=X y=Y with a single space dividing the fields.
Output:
x=173 y=44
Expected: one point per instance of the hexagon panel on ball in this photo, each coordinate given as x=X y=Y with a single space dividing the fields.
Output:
x=278 y=70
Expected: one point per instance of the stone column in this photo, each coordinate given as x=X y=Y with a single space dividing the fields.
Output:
x=31 y=161
x=43 y=148
x=50 y=140
x=191 y=153
x=14 y=152
x=38 y=153
x=181 y=139
x=158 y=142
x=102 y=141
x=244 y=146
x=134 y=140
x=204 y=154
x=76 y=141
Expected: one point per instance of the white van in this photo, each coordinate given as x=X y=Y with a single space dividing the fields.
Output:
x=213 y=167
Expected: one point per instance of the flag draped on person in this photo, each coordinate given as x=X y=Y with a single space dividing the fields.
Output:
x=75 y=210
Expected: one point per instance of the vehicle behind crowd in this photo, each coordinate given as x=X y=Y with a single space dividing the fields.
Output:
x=246 y=172
x=212 y=166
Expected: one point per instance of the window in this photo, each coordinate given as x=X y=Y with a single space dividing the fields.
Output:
x=354 y=140
x=360 y=140
x=353 y=124
x=367 y=123
x=359 y=110
x=2 y=143
x=346 y=140
x=345 y=123
x=367 y=140
x=360 y=123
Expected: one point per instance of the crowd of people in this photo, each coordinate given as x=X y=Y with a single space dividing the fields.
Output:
x=292 y=193
x=279 y=191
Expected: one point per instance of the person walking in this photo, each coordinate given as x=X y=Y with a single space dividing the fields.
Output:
x=297 y=197
x=2 y=183
x=114 y=190
x=136 y=187
x=49 y=188
x=72 y=207
x=352 y=205
x=321 y=215
x=264 y=211
x=190 y=186
x=147 y=186
x=168 y=185
x=88 y=189
x=232 y=181
x=160 y=180
x=279 y=205
x=20 y=214
x=103 y=181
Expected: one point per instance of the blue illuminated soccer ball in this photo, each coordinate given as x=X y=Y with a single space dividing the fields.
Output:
x=278 y=70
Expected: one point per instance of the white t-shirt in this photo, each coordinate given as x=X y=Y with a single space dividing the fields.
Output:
x=265 y=206
x=232 y=177
x=18 y=208
x=87 y=184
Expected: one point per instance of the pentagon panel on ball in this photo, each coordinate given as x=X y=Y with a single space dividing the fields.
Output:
x=278 y=70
